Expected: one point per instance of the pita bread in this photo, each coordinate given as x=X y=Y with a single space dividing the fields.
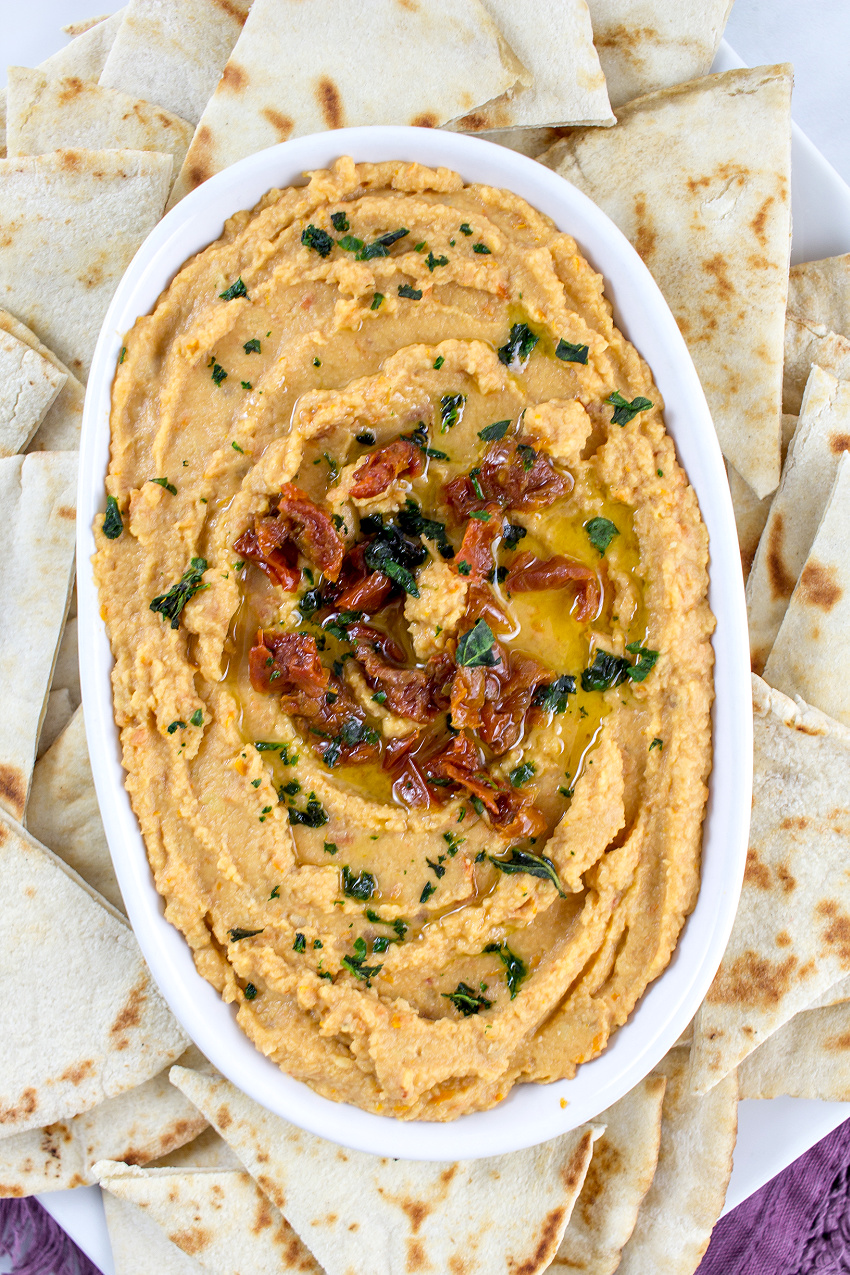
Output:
x=57 y=714
x=349 y=76
x=37 y=499
x=649 y=44
x=807 y=1058
x=750 y=512
x=218 y=1216
x=835 y=995
x=53 y=114
x=72 y=221
x=789 y=941
x=818 y=322
x=140 y=1125
x=173 y=52
x=526 y=141
x=74 y=29
x=700 y=174
x=555 y=43
x=62 y=811
x=28 y=386
x=813 y=644
x=497 y=1215
x=686 y=1197
x=139 y=1246
x=620 y=1174
x=60 y=429
x=92 y=1024
x=821 y=439
x=66 y=670
x=208 y=1151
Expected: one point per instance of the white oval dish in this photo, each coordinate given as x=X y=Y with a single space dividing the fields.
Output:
x=532 y=1113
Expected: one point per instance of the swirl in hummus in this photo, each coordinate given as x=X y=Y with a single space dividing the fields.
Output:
x=407 y=596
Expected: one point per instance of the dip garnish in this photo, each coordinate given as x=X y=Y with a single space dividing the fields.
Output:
x=170 y=604
x=534 y=864
x=515 y=968
x=516 y=351
x=113 y=523
x=571 y=353
x=467 y=1000
x=235 y=290
x=624 y=411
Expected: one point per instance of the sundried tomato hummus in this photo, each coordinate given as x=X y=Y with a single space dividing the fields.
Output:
x=407 y=595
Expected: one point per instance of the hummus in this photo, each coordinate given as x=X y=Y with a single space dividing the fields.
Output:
x=407 y=596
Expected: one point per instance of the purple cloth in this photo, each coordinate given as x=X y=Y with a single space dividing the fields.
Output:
x=36 y=1244
x=797 y=1224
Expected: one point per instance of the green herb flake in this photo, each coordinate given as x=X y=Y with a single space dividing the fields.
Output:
x=317 y=362
x=377 y=301
x=235 y=290
x=451 y=411
x=656 y=743
x=552 y=697
x=237 y=934
x=331 y=847
x=250 y=992
x=275 y=894
x=463 y=567
x=317 y=943
x=366 y=438
x=475 y=647
x=360 y=885
x=624 y=411
x=339 y=221
x=600 y=533
x=218 y=373
x=173 y=726
x=246 y=385
x=481 y=248
x=169 y=605
x=122 y=356
x=512 y=534
x=492 y=433
x=467 y=1000
x=646 y=661
x=317 y=239
x=237 y=448
x=252 y=346
x=163 y=482
x=420 y=247
x=522 y=773
x=606 y=671
x=113 y=523
x=466 y=229
x=412 y=294
x=438 y=362
x=427 y=892
x=533 y=864
x=432 y=262
x=197 y=718
x=516 y=351
x=515 y=968
x=355 y=964
x=571 y=353
x=381 y=944
x=567 y=792
x=313 y=815
x=350 y=243
x=478 y=806
x=333 y=469
x=300 y=944
x=378 y=556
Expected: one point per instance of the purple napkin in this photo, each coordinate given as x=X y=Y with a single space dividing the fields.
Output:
x=36 y=1244
x=797 y=1224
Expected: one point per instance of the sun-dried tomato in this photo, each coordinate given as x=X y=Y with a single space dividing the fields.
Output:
x=358 y=588
x=476 y=548
x=398 y=750
x=279 y=565
x=468 y=690
x=289 y=659
x=528 y=574
x=411 y=787
x=481 y=604
x=512 y=475
x=511 y=810
x=386 y=464
x=416 y=693
x=508 y=691
x=310 y=528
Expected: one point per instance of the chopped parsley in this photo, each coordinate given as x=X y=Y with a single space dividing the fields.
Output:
x=113 y=523
x=163 y=482
x=122 y=356
x=275 y=894
x=516 y=351
x=246 y=385
x=333 y=469
x=331 y=847
x=571 y=353
x=391 y=553
x=467 y=1000
x=512 y=534
x=237 y=448
x=438 y=362
x=515 y=968
x=355 y=964
x=552 y=697
x=380 y=697
x=475 y=648
x=252 y=346
x=350 y=243
x=646 y=661
x=300 y=944
x=600 y=533
x=218 y=373
x=463 y=567
x=173 y=726
x=310 y=602
x=451 y=410
x=481 y=248
x=313 y=815
x=492 y=433
x=527 y=455
x=250 y=992
x=624 y=411
x=437 y=868
x=236 y=934
x=427 y=892
x=339 y=221
x=419 y=437
x=235 y=290
x=366 y=438
x=353 y=732
x=197 y=718
x=361 y=885
x=522 y=773
x=412 y=294
x=535 y=865
x=317 y=362
x=377 y=301
x=414 y=523
x=432 y=262
x=607 y=670
x=381 y=246
x=319 y=240
x=656 y=743
x=291 y=789
x=454 y=842
x=169 y=605
x=465 y=228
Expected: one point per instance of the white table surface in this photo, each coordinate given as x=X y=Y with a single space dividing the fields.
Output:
x=812 y=34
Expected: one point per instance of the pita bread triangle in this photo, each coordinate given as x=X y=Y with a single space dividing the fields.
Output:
x=218 y=1216
x=92 y=1024
x=28 y=387
x=821 y=439
x=138 y=1245
x=377 y=62
x=60 y=429
x=698 y=179
x=807 y=1058
x=789 y=941
x=650 y=44
x=814 y=640
x=503 y=1214
x=619 y=1176
x=817 y=324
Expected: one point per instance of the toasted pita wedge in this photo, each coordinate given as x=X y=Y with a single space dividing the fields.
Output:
x=72 y=221
x=139 y=1246
x=208 y=1151
x=357 y=73
x=821 y=439
x=686 y=1197
x=92 y=1025
x=219 y=1216
x=555 y=43
x=620 y=1174
x=174 y=53
x=750 y=512
x=86 y=55
x=701 y=174
x=813 y=643
x=146 y=1122
x=817 y=328
x=62 y=811
x=60 y=429
x=74 y=29
x=29 y=385
x=807 y=1058
x=46 y=114
x=649 y=44
x=57 y=714
x=834 y=995
x=66 y=670
x=37 y=498
x=788 y=943
x=527 y=141
x=506 y=1214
